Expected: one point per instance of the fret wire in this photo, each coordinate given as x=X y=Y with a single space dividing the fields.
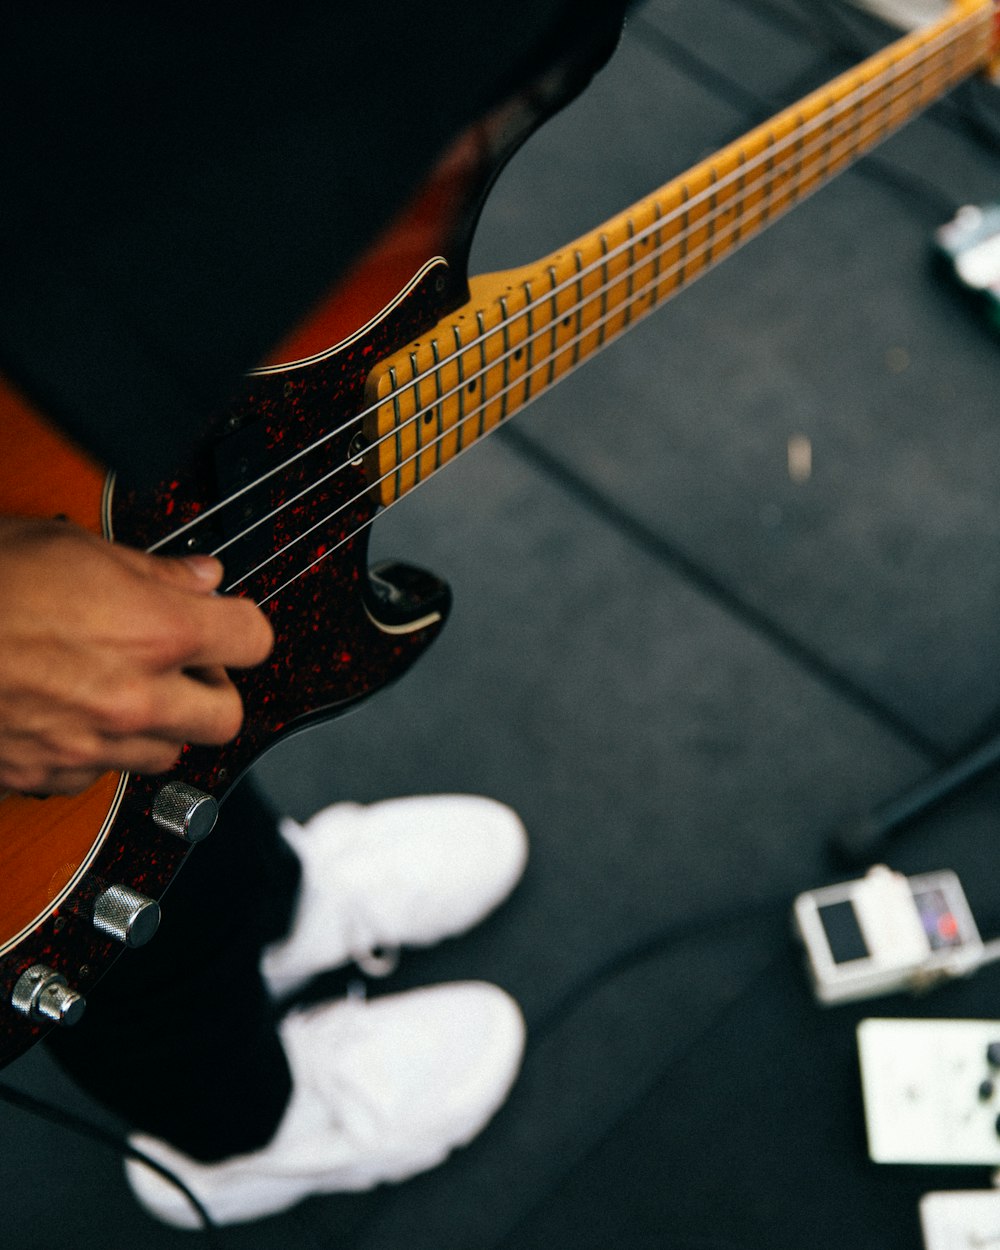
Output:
x=952 y=53
x=418 y=421
x=604 y=288
x=657 y=248
x=713 y=204
x=766 y=201
x=506 y=356
x=482 y=373
x=951 y=72
x=630 y=271
x=886 y=112
x=908 y=90
x=399 y=432
x=440 y=406
x=860 y=115
x=921 y=74
x=460 y=369
x=529 y=342
x=922 y=68
x=580 y=302
x=556 y=319
x=796 y=177
x=837 y=158
x=857 y=123
x=741 y=186
x=682 y=238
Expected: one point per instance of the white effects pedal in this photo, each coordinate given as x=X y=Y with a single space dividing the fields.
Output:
x=931 y=1090
x=961 y=1220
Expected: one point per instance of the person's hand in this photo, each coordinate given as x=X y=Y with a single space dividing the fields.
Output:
x=111 y=658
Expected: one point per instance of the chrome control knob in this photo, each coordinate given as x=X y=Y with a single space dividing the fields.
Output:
x=126 y=915
x=44 y=996
x=188 y=812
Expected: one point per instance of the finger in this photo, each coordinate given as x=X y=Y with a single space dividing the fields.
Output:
x=78 y=765
x=140 y=754
x=213 y=675
x=38 y=779
x=66 y=781
x=197 y=574
x=188 y=709
x=206 y=629
x=226 y=632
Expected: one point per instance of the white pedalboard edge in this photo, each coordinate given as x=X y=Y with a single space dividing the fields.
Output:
x=925 y=1085
x=961 y=1220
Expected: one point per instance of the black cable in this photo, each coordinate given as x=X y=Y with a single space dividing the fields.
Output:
x=861 y=840
x=86 y=1128
x=718 y=1017
x=621 y=961
x=656 y=943
x=672 y=934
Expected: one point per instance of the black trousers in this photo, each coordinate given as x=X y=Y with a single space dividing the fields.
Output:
x=180 y=1038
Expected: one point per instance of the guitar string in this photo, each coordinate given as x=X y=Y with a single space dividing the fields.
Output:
x=761 y=210
x=494 y=398
x=870 y=88
x=795 y=195
x=447 y=433
x=917 y=60
x=539 y=366
x=453 y=431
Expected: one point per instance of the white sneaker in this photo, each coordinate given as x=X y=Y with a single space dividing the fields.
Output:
x=381 y=1090
x=406 y=872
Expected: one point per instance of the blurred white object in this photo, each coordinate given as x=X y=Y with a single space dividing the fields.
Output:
x=958 y=1219
x=931 y=1090
x=886 y=932
x=908 y=14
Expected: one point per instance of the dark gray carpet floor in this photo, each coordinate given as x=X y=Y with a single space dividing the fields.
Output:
x=684 y=669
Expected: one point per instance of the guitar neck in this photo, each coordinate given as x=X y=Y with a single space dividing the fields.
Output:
x=526 y=328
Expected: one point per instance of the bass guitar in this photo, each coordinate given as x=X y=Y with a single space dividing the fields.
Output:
x=425 y=362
